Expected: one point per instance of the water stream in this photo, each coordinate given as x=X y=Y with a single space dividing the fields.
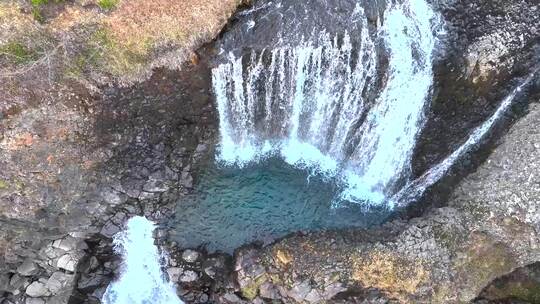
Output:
x=141 y=280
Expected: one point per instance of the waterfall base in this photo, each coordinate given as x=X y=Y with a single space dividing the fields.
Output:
x=262 y=202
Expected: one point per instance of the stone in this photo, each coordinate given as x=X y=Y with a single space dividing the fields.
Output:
x=313 y=297
x=70 y=243
x=188 y=276
x=69 y=261
x=28 y=268
x=333 y=289
x=214 y=266
x=190 y=256
x=299 y=291
x=174 y=273
x=91 y=281
x=4 y=282
x=37 y=289
x=18 y=282
x=34 y=301
x=269 y=291
x=113 y=197
x=186 y=179
x=203 y=298
x=232 y=298
x=109 y=229
x=59 y=281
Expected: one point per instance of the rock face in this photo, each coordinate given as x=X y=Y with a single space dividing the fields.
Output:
x=106 y=167
x=76 y=164
x=521 y=285
x=79 y=156
x=490 y=227
x=486 y=45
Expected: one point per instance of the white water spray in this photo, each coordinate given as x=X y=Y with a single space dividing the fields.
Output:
x=141 y=280
x=310 y=104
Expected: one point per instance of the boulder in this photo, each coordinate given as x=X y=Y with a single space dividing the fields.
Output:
x=174 y=273
x=299 y=291
x=70 y=243
x=188 y=276
x=28 y=268
x=37 y=289
x=18 y=282
x=70 y=261
x=59 y=281
x=190 y=256
x=34 y=301
x=4 y=282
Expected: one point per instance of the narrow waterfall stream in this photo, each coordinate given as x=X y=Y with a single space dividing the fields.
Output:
x=141 y=280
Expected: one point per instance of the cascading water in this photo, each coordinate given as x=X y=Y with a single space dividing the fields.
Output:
x=141 y=280
x=314 y=103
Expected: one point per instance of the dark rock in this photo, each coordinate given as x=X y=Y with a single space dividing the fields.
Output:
x=18 y=282
x=4 y=282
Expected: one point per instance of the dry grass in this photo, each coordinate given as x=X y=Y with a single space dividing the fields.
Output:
x=124 y=40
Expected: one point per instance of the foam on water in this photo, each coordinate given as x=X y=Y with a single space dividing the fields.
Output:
x=141 y=280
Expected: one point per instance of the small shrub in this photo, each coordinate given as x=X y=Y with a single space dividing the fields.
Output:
x=37 y=3
x=106 y=4
x=17 y=53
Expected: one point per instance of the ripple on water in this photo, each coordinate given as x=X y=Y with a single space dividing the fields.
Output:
x=261 y=202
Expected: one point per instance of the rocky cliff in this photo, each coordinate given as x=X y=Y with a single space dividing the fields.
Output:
x=82 y=148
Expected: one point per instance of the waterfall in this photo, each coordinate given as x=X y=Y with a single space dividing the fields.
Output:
x=328 y=104
x=417 y=187
x=141 y=280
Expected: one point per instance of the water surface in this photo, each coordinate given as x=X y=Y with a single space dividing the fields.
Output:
x=233 y=206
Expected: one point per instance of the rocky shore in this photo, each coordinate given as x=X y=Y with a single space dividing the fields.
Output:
x=90 y=137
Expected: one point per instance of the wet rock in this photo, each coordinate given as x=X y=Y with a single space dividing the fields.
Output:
x=190 y=256
x=186 y=179
x=28 y=268
x=188 y=276
x=174 y=273
x=110 y=229
x=214 y=266
x=92 y=281
x=37 y=289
